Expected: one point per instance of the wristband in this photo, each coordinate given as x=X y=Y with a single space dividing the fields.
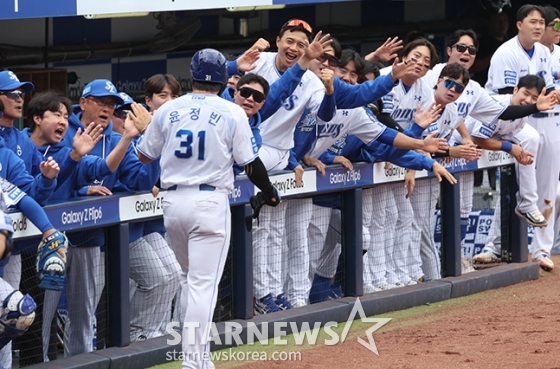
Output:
x=506 y=146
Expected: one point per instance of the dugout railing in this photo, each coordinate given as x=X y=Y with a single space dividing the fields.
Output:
x=114 y=213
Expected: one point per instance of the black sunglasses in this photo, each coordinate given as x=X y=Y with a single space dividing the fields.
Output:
x=247 y=92
x=462 y=47
x=122 y=114
x=13 y=95
x=331 y=60
x=449 y=84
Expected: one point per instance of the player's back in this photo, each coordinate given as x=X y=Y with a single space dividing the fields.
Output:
x=202 y=134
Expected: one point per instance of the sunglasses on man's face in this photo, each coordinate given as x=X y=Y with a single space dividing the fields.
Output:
x=122 y=114
x=462 y=47
x=247 y=92
x=13 y=95
x=555 y=26
x=331 y=60
x=451 y=84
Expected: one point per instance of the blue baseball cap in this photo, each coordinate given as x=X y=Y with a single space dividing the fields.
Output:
x=102 y=88
x=10 y=82
x=127 y=100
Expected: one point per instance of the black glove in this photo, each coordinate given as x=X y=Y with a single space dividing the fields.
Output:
x=270 y=198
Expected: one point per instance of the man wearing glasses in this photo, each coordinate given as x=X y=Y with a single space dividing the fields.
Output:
x=523 y=55
x=477 y=103
x=97 y=105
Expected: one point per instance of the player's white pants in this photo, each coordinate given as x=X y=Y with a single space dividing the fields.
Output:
x=12 y=271
x=431 y=262
x=328 y=260
x=466 y=190
x=12 y=276
x=374 y=203
x=298 y=217
x=147 y=270
x=268 y=234
x=171 y=266
x=82 y=283
x=267 y=250
x=403 y=232
x=6 y=352
x=324 y=242
x=547 y=169
x=527 y=198
x=420 y=204
x=391 y=213
x=200 y=241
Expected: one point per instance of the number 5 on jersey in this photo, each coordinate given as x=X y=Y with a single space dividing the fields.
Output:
x=186 y=149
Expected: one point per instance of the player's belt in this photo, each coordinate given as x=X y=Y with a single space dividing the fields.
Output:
x=201 y=187
x=545 y=115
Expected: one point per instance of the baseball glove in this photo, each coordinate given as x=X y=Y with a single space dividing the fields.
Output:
x=271 y=198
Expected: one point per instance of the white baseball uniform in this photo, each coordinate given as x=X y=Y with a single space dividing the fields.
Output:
x=277 y=134
x=198 y=137
x=509 y=63
x=401 y=104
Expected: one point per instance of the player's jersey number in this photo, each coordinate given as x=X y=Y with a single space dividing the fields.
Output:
x=186 y=150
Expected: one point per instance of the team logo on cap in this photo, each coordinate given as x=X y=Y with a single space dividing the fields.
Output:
x=110 y=87
x=13 y=76
x=86 y=90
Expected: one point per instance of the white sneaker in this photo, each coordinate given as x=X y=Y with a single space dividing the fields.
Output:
x=534 y=218
x=412 y=282
x=544 y=260
x=399 y=284
x=298 y=304
x=486 y=257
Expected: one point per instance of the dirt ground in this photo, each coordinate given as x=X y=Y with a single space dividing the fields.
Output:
x=512 y=327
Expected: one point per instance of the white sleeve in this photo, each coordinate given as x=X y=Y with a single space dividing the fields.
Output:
x=388 y=103
x=364 y=126
x=244 y=145
x=503 y=71
x=315 y=100
x=152 y=141
x=486 y=109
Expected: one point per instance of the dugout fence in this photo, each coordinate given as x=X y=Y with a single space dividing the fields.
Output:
x=116 y=213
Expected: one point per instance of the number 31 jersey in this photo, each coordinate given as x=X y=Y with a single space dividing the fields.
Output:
x=198 y=136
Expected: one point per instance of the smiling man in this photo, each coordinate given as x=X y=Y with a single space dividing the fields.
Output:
x=516 y=58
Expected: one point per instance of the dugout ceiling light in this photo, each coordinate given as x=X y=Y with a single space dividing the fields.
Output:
x=252 y=8
x=116 y=15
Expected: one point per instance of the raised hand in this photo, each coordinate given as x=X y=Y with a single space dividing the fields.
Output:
x=434 y=144
x=317 y=46
x=137 y=121
x=261 y=45
x=327 y=76
x=49 y=168
x=85 y=141
x=428 y=116
x=387 y=51
x=401 y=69
x=546 y=102
x=246 y=62
x=440 y=172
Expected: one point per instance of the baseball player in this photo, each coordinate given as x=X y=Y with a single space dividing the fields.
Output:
x=321 y=136
x=180 y=132
x=476 y=102
x=398 y=108
x=18 y=310
x=521 y=141
x=514 y=59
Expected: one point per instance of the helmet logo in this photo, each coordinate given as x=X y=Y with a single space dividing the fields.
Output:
x=208 y=77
